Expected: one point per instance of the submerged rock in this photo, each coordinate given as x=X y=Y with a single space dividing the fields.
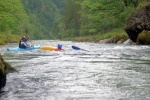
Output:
x=138 y=22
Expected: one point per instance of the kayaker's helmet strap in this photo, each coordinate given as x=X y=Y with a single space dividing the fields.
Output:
x=24 y=38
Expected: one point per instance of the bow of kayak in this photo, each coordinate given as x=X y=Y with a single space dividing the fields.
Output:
x=48 y=48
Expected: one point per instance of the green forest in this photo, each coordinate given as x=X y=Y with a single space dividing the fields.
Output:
x=64 y=19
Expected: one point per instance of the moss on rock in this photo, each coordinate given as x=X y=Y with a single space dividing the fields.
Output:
x=120 y=37
x=144 y=38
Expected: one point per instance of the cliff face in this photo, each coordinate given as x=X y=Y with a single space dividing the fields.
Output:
x=138 y=22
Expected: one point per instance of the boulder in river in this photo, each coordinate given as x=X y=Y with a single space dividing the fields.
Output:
x=5 y=68
x=138 y=22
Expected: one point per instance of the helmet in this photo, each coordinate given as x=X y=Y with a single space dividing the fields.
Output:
x=24 y=37
x=59 y=46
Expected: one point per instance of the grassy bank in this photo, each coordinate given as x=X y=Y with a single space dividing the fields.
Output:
x=117 y=34
x=8 y=38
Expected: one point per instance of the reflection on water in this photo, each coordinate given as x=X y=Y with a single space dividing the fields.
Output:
x=108 y=72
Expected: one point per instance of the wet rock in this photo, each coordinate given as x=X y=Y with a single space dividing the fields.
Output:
x=5 y=68
x=138 y=22
x=128 y=42
x=110 y=40
x=144 y=38
x=2 y=73
x=120 y=41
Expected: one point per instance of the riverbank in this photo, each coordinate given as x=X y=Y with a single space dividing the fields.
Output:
x=8 y=38
x=117 y=36
x=117 y=33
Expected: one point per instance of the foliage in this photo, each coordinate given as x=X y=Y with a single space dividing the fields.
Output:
x=44 y=16
x=87 y=18
x=116 y=34
x=8 y=38
x=37 y=16
x=61 y=19
x=12 y=14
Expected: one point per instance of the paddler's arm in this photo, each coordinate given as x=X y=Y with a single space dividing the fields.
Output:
x=25 y=44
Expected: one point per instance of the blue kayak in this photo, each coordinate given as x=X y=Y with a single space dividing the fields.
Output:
x=22 y=49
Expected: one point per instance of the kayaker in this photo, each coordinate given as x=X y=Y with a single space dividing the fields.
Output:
x=23 y=42
x=59 y=47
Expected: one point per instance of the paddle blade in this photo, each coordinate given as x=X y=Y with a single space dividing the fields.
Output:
x=76 y=48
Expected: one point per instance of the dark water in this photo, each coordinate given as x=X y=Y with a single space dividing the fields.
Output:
x=108 y=72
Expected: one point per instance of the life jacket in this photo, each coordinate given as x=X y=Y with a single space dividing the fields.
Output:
x=20 y=45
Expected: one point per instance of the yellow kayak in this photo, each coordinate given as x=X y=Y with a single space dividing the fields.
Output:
x=48 y=48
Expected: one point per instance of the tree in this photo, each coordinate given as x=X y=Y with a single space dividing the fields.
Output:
x=12 y=14
x=72 y=17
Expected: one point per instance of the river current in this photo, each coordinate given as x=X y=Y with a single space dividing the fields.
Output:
x=104 y=72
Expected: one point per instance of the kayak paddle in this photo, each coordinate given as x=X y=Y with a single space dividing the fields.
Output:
x=77 y=48
x=29 y=38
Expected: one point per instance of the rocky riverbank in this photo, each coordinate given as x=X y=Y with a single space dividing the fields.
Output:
x=142 y=39
x=137 y=27
x=137 y=23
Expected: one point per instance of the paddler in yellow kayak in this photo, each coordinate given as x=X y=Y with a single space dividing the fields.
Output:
x=59 y=47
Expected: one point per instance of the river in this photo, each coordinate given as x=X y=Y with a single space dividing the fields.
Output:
x=105 y=72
